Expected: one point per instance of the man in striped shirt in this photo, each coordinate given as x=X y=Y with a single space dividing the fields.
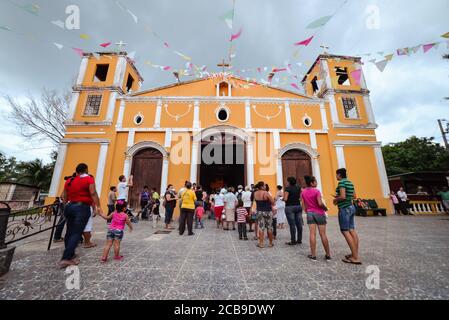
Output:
x=346 y=212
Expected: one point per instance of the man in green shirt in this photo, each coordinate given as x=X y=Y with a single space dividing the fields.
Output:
x=344 y=195
x=444 y=194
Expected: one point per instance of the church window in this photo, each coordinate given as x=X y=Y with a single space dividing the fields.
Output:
x=314 y=84
x=93 y=104
x=224 y=89
x=101 y=73
x=129 y=83
x=223 y=114
x=138 y=119
x=350 y=108
x=307 y=121
x=342 y=76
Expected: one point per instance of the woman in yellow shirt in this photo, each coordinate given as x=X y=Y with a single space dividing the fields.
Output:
x=188 y=199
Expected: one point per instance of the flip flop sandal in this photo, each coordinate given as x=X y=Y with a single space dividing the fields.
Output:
x=93 y=245
x=104 y=260
x=259 y=246
x=348 y=256
x=351 y=262
x=271 y=245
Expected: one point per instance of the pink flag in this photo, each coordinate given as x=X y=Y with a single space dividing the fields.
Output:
x=427 y=47
x=279 y=70
x=356 y=75
x=237 y=35
x=105 y=45
x=403 y=52
x=166 y=44
x=80 y=52
x=259 y=70
x=167 y=68
x=294 y=85
x=304 y=42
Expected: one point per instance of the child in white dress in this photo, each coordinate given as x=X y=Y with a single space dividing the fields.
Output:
x=280 y=208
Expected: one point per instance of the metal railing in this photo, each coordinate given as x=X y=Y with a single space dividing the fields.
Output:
x=19 y=225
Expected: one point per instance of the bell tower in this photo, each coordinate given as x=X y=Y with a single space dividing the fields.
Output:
x=102 y=78
x=340 y=80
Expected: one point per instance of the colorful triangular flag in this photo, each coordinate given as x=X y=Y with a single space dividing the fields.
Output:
x=389 y=57
x=319 y=22
x=228 y=17
x=446 y=35
x=80 y=52
x=381 y=65
x=105 y=45
x=236 y=35
x=403 y=52
x=304 y=42
x=84 y=36
x=59 y=24
x=356 y=75
x=427 y=47
x=5 y=28
x=59 y=46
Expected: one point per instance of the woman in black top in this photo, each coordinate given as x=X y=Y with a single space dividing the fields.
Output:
x=293 y=211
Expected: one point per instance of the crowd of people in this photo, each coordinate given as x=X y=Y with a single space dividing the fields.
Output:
x=251 y=209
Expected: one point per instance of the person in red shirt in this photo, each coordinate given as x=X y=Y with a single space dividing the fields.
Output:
x=79 y=196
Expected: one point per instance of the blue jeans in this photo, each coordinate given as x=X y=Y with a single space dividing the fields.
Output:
x=168 y=214
x=77 y=216
x=346 y=218
x=294 y=218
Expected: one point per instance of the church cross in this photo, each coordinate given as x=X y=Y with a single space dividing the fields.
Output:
x=324 y=48
x=224 y=65
x=120 y=44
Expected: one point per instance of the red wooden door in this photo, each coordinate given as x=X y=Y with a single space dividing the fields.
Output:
x=147 y=171
x=296 y=163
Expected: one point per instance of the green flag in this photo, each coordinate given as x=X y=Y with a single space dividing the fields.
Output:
x=319 y=22
x=228 y=17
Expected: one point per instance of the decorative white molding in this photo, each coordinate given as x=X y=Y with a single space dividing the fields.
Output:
x=111 y=106
x=120 y=71
x=313 y=142
x=127 y=166
x=144 y=145
x=168 y=138
x=276 y=139
x=196 y=115
x=101 y=167
x=73 y=104
x=279 y=172
x=340 y=156
x=88 y=124
x=85 y=140
x=317 y=173
x=232 y=100
x=356 y=135
x=157 y=118
x=356 y=126
x=369 y=109
x=164 y=176
x=247 y=114
x=250 y=162
x=324 y=116
x=300 y=146
x=235 y=131
x=334 y=111
x=121 y=114
x=57 y=172
x=356 y=143
x=247 y=131
x=194 y=161
x=288 y=117
x=381 y=171
x=84 y=133
x=326 y=71
x=82 y=71
x=131 y=135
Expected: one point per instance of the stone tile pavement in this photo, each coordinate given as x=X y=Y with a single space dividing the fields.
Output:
x=412 y=254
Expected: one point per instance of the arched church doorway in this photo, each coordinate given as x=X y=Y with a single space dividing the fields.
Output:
x=223 y=158
x=146 y=170
x=296 y=163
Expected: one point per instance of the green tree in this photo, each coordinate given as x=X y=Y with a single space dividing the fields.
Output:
x=35 y=173
x=415 y=154
x=8 y=168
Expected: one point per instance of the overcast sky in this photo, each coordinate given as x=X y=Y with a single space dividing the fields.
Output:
x=407 y=97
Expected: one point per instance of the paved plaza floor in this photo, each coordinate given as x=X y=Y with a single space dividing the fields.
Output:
x=412 y=254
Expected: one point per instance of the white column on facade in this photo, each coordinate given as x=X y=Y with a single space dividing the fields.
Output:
x=333 y=107
x=73 y=104
x=157 y=118
x=196 y=115
x=168 y=137
x=313 y=143
x=121 y=114
x=288 y=117
x=131 y=135
x=316 y=172
x=120 y=71
x=111 y=106
x=277 y=147
x=164 y=176
x=324 y=116
x=57 y=172
x=381 y=171
x=325 y=69
x=194 y=161
x=340 y=156
x=82 y=72
x=250 y=161
x=127 y=166
x=101 y=167
x=369 y=109
x=247 y=114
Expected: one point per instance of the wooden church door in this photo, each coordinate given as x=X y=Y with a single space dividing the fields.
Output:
x=296 y=163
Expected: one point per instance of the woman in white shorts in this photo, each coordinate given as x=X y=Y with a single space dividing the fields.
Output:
x=87 y=233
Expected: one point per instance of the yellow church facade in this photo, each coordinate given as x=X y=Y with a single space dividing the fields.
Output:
x=221 y=130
